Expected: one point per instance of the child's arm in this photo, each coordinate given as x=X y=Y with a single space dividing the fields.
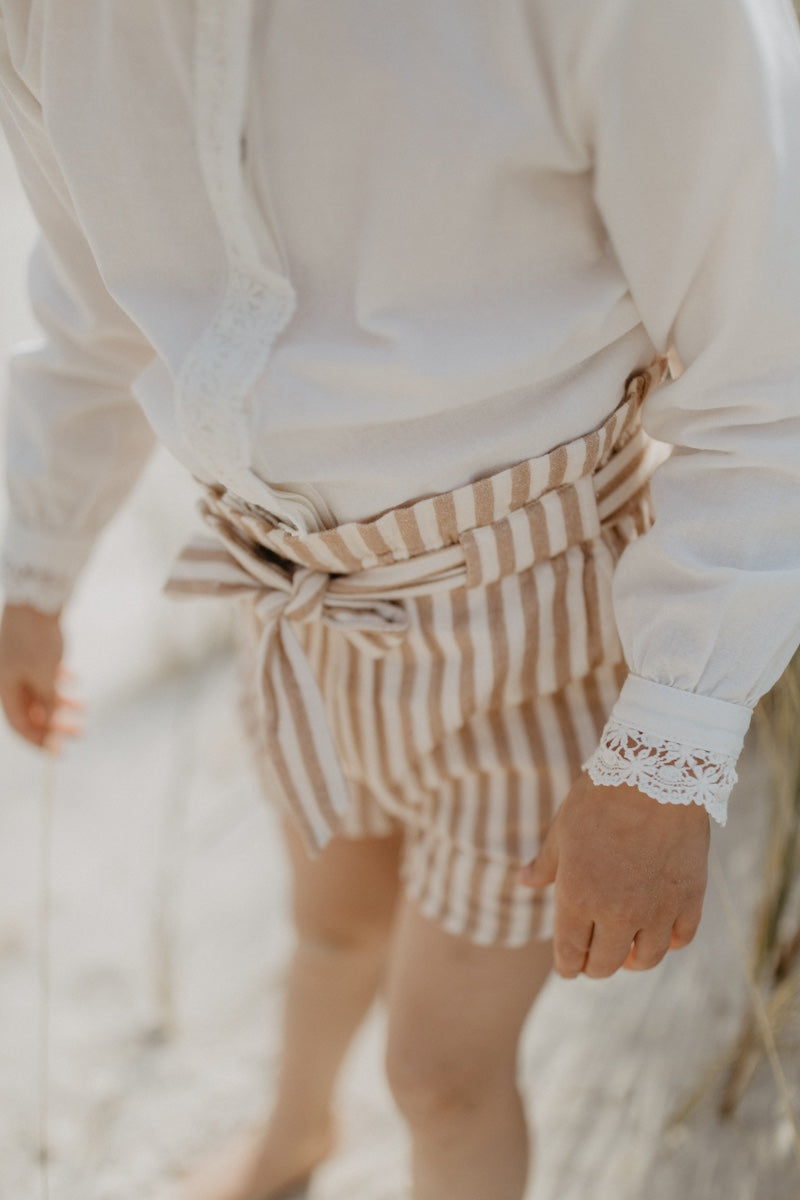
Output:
x=76 y=439
x=691 y=111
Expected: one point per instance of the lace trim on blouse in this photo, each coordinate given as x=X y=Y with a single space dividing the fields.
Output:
x=41 y=589
x=670 y=772
x=219 y=371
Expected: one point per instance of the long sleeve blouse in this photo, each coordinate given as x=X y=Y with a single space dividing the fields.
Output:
x=337 y=256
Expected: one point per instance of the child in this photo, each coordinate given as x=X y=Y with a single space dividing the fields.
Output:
x=376 y=273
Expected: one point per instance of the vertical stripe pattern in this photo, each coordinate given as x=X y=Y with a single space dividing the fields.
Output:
x=467 y=730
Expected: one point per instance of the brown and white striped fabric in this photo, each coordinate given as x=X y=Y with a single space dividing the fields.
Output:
x=444 y=668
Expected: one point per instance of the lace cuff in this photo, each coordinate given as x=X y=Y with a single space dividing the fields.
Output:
x=677 y=747
x=40 y=569
x=667 y=771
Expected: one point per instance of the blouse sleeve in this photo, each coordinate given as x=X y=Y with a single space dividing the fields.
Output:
x=691 y=112
x=76 y=440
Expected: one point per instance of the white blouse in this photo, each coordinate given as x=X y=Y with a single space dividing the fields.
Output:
x=337 y=256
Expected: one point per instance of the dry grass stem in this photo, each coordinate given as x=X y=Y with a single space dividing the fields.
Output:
x=169 y=872
x=47 y=807
x=772 y=965
x=762 y=1017
x=774 y=969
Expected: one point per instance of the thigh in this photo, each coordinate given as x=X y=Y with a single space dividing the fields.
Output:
x=349 y=891
x=456 y=1009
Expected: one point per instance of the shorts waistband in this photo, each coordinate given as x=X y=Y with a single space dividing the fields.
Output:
x=618 y=456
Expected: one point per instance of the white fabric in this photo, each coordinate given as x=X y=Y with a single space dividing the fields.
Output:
x=456 y=228
x=696 y=764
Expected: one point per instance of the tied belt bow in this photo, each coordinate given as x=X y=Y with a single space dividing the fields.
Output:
x=367 y=605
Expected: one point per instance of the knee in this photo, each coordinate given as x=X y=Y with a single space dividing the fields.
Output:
x=430 y=1080
x=341 y=930
x=341 y=940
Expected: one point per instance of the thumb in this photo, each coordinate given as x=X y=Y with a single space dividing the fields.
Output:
x=543 y=868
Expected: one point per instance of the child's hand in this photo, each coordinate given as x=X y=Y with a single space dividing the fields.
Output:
x=31 y=648
x=630 y=877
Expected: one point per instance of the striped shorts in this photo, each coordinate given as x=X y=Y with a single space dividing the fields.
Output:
x=465 y=732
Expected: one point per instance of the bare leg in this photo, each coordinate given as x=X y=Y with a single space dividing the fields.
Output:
x=455 y=1015
x=344 y=903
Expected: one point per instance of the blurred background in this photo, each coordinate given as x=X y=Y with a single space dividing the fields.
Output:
x=169 y=934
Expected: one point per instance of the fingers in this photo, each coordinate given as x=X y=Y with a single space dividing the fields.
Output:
x=58 y=733
x=649 y=947
x=572 y=940
x=581 y=947
x=542 y=870
x=610 y=949
x=61 y=727
x=38 y=713
x=684 y=929
x=43 y=722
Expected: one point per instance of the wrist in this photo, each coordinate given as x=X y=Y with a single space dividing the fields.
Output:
x=633 y=807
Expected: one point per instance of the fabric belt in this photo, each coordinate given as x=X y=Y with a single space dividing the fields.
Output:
x=367 y=605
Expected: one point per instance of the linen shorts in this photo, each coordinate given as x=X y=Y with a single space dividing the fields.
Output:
x=473 y=791
x=466 y=735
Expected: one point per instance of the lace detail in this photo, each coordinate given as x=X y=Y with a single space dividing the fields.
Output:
x=224 y=364
x=220 y=370
x=668 y=771
x=41 y=589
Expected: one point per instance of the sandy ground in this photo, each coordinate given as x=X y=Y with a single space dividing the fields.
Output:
x=169 y=937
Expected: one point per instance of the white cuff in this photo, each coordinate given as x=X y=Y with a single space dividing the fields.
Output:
x=40 y=569
x=677 y=747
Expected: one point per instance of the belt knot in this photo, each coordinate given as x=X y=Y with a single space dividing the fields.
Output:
x=304 y=602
